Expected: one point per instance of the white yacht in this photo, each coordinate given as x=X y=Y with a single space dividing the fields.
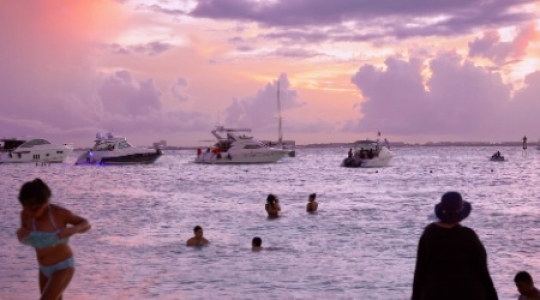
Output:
x=368 y=154
x=24 y=150
x=238 y=148
x=115 y=150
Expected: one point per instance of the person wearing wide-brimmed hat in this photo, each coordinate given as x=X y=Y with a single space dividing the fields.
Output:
x=451 y=262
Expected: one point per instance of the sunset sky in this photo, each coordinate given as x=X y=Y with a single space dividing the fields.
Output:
x=416 y=70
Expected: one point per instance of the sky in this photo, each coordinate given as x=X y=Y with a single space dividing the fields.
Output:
x=149 y=70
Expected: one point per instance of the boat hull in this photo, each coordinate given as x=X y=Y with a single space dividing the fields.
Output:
x=57 y=155
x=242 y=158
x=497 y=159
x=95 y=158
x=366 y=163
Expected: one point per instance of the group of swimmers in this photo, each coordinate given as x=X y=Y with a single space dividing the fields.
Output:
x=451 y=260
x=273 y=209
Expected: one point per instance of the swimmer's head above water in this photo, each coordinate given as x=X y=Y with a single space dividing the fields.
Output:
x=256 y=243
x=271 y=199
x=312 y=197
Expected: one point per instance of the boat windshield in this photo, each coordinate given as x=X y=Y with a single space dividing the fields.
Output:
x=35 y=142
x=366 y=145
x=104 y=146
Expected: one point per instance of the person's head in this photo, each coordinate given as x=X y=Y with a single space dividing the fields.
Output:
x=34 y=197
x=452 y=209
x=197 y=230
x=524 y=283
x=271 y=198
x=256 y=242
x=312 y=197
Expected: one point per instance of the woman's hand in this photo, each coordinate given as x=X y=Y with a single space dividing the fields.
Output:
x=22 y=233
x=66 y=232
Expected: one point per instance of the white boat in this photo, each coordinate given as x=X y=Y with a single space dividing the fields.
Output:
x=116 y=150
x=237 y=148
x=368 y=154
x=35 y=150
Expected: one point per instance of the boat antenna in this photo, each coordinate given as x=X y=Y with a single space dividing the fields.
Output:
x=280 y=132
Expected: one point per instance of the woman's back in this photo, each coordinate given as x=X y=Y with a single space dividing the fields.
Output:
x=451 y=264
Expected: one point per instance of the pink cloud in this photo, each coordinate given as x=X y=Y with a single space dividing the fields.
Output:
x=461 y=98
x=490 y=45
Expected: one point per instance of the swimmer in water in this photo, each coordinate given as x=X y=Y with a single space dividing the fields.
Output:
x=256 y=244
x=44 y=226
x=272 y=206
x=312 y=204
x=198 y=239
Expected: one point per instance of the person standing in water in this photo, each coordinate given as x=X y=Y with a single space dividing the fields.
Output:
x=451 y=262
x=198 y=239
x=525 y=286
x=44 y=226
x=312 y=204
x=272 y=206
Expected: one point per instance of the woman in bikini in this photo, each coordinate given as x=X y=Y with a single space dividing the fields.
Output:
x=44 y=226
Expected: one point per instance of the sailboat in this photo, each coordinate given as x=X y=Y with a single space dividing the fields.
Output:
x=289 y=145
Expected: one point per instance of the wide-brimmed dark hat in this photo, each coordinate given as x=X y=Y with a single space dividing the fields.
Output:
x=452 y=208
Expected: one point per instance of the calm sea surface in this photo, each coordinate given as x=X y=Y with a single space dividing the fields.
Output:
x=360 y=245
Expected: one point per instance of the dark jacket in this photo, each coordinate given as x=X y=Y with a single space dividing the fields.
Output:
x=451 y=264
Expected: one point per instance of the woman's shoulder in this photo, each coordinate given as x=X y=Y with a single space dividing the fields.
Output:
x=58 y=210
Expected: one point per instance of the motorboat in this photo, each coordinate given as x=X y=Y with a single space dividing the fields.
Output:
x=237 y=148
x=116 y=150
x=368 y=154
x=35 y=150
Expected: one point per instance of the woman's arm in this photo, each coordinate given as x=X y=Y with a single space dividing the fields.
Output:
x=419 y=270
x=79 y=224
x=23 y=231
x=480 y=257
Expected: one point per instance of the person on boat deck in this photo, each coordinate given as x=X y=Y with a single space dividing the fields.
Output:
x=272 y=206
x=198 y=239
x=199 y=151
x=370 y=154
x=362 y=153
x=525 y=286
x=256 y=244
x=312 y=204
x=350 y=154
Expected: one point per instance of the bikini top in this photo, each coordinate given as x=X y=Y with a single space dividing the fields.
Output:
x=41 y=239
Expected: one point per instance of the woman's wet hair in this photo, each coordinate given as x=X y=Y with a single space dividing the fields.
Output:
x=271 y=198
x=312 y=196
x=34 y=192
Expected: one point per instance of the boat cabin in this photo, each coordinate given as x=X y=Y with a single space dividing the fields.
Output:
x=12 y=144
x=111 y=144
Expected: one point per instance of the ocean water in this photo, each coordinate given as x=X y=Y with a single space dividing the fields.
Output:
x=360 y=245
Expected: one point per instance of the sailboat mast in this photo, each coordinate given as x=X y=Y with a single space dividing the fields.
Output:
x=280 y=132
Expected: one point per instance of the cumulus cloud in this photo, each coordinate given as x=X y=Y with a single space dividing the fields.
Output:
x=121 y=94
x=260 y=110
x=178 y=89
x=459 y=98
x=491 y=47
